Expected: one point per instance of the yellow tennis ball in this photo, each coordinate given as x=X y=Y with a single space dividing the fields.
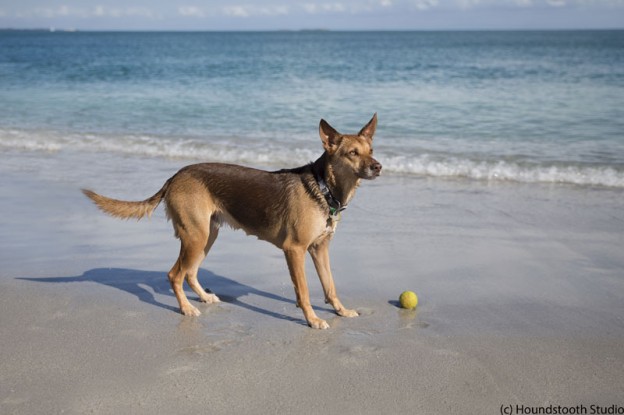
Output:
x=408 y=299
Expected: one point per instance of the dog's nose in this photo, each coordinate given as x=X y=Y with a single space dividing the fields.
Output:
x=376 y=167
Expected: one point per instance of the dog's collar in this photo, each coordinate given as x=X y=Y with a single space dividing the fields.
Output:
x=335 y=207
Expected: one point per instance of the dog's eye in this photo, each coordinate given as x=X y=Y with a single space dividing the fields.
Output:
x=353 y=153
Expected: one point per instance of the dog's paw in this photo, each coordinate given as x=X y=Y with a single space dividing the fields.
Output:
x=190 y=310
x=210 y=299
x=317 y=323
x=347 y=313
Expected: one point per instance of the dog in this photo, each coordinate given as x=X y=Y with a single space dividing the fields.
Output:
x=297 y=210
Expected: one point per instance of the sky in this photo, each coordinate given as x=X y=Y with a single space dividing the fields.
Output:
x=311 y=14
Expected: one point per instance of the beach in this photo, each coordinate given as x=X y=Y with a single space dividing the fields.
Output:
x=500 y=204
x=520 y=300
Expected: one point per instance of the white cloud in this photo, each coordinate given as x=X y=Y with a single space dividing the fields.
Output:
x=467 y=4
x=191 y=11
x=51 y=12
x=334 y=7
x=236 y=11
x=139 y=12
x=310 y=8
x=425 y=4
x=247 y=10
x=274 y=10
x=313 y=8
x=82 y=13
x=470 y=4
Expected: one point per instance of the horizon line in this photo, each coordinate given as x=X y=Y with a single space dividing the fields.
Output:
x=53 y=29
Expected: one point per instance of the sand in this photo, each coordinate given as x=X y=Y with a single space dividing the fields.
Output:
x=521 y=302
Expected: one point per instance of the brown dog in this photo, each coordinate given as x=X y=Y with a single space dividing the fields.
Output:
x=295 y=209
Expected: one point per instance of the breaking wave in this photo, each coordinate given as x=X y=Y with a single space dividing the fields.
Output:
x=280 y=154
x=501 y=170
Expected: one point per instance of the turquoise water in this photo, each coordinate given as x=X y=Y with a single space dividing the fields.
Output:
x=515 y=106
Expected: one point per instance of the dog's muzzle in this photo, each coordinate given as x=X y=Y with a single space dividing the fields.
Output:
x=375 y=169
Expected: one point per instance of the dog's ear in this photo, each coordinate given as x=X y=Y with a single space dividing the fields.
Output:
x=329 y=137
x=369 y=129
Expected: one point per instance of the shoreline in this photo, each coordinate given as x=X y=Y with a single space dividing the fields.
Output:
x=497 y=165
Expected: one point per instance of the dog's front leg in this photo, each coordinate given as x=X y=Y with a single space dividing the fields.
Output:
x=320 y=257
x=295 y=257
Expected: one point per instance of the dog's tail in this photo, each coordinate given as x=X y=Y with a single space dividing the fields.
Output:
x=126 y=210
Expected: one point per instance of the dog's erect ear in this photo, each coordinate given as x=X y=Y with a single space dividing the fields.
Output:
x=329 y=137
x=369 y=129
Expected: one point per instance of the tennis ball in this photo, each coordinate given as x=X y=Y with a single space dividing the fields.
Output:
x=408 y=299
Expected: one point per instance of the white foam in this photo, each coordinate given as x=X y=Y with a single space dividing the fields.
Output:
x=19 y=140
x=500 y=170
x=224 y=150
x=275 y=154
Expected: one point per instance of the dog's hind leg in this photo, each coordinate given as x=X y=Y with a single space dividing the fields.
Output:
x=193 y=241
x=320 y=257
x=191 y=276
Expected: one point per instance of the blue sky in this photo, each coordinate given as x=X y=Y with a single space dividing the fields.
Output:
x=311 y=14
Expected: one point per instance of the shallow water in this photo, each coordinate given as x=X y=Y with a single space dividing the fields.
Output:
x=530 y=107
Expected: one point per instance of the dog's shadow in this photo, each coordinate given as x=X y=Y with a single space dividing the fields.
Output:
x=143 y=284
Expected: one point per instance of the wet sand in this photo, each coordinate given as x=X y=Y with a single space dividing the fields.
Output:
x=521 y=291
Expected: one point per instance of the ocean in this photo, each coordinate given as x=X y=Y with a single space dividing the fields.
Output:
x=498 y=106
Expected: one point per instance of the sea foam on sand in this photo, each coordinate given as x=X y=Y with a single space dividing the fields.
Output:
x=520 y=287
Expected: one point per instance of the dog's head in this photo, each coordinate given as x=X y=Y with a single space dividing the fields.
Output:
x=351 y=153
